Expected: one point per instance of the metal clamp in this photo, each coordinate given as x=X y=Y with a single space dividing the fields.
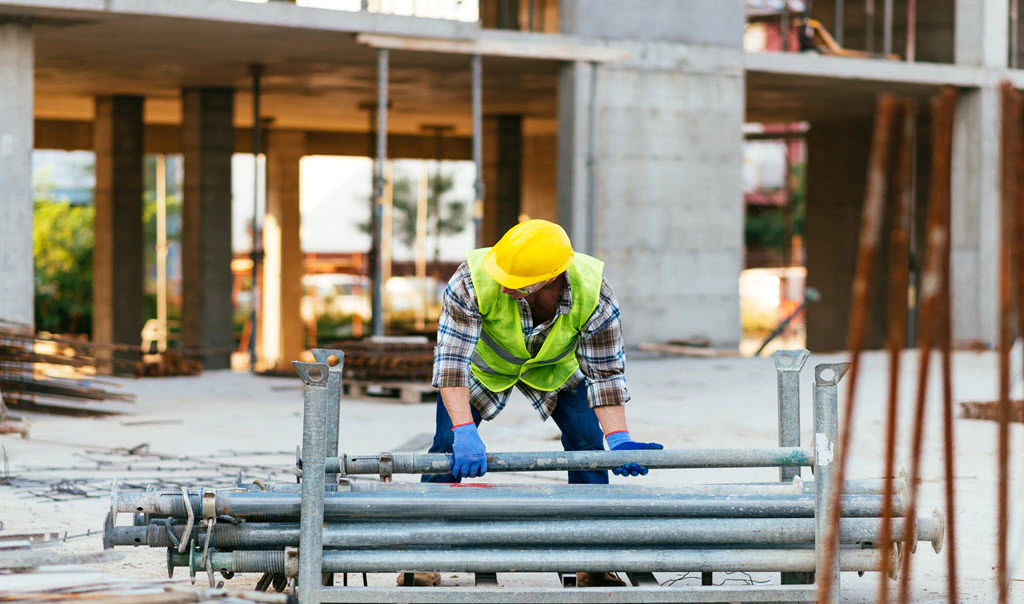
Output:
x=187 y=535
x=208 y=507
x=387 y=466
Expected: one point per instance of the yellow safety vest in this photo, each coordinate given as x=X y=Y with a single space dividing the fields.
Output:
x=501 y=358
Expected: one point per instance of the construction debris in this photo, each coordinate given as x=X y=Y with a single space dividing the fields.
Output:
x=684 y=351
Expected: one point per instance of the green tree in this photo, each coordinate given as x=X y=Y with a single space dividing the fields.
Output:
x=63 y=255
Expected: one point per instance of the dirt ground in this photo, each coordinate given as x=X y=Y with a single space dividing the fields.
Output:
x=223 y=421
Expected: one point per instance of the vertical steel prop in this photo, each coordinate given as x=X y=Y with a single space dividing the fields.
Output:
x=870 y=234
x=333 y=414
x=378 y=189
x=826 y=435
x=788 y=364
x=257 y=240
x=899 y=281
x=315 y=377
x=945 y=109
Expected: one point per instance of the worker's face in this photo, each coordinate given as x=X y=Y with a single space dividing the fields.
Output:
x=523 y=292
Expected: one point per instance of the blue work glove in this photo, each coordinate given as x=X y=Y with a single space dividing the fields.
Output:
x=621 y=441
x=469 y=452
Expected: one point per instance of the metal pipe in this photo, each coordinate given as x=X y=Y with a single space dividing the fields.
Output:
x=333 y=418
x=378 y=188
x=257 y=242
x=887 y=28
x=826 y=435
x=476 y=560
x=869 y=25
x=837 y=24
x=591 y=240
x=1014 y=33
x=912 y=30
x=784 y=25
x=476 y=67
x=161 y=251
x=788 y=364
x=315 y=377
x=458 y=504
x=549 y=461
x=541 y=532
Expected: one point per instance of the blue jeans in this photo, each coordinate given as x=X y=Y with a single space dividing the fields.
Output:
x=580 y=432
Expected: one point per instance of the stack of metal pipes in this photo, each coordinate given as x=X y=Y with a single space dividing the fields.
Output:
x=333 y=522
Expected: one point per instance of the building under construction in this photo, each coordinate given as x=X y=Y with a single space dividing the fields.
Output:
x=623 y=121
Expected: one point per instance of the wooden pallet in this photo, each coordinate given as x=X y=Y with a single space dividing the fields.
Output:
x=403 y=392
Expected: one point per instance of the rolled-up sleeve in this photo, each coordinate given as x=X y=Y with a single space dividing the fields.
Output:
x=602 y=352
x=458 y=330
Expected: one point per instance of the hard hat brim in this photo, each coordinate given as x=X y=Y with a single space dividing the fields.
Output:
x=513 y=282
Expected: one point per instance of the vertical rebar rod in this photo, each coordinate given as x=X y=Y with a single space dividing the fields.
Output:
x=887 y=28
x=333 y=413
x=931 y=288
x=315 y=378
x=378 y=188
x=911 y=30
x=788 y=364
x=1014 y=33
x=476 y=64
x=899 y=281
x=870 y=233
x=869 y=24
x=784 y=26
x=943 y=172
x=257 y=243
x=837 y=24
x=1011 y=124
x=826 y=487
x=592 y=163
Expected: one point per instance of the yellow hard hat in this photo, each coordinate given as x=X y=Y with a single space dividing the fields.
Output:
x=530 y=252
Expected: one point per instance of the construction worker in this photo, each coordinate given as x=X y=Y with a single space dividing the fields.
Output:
x=533 y=314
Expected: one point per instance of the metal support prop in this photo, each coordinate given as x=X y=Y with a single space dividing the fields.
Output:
x=476 y=64
x=887 y=28
x=623 y=532
x=592 y=163
x=315 y=377
x=838 y=22
x=550 y=461
x=788 y=364
x=257 y=242
x=378 y=188
x=826 y=439
x=333 y=419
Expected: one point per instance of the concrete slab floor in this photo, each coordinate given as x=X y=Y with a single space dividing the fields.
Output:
x=678 y=402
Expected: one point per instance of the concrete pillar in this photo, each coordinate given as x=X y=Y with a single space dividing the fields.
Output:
x=982 y=33
x=540 y=173
x=117 y=307
x=207 y=144
x=16 y=71
x=667 y=202
x=837 y=166
x=503 y=174
x=281 y=328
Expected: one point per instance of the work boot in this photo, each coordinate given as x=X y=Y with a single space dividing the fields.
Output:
x=605 y=579
x=420 y=579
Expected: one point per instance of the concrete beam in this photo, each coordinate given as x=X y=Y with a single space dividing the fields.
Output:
x=207 y=144
x=166 y=138
x=118 y=257
x=16 y=268
x=502 y=44
x=281 y=328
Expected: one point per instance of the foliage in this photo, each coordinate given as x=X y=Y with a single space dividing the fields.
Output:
x=63 y=255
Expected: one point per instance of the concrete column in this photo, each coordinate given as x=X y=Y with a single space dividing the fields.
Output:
x=118 y=140
x=837 y=166
x=281 y=328
x=667 y=203
x=16 y=71
x=982 y=33
x=207 y=144
x=503 y=174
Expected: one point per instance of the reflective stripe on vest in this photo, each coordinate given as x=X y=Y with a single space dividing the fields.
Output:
x=501 y=357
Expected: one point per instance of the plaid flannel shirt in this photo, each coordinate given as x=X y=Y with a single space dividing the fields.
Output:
x=601 y=351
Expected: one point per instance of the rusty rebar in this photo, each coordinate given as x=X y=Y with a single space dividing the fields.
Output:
x=870 y=233
x=899 y=281
x=942 y=176
x=1009 y=252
